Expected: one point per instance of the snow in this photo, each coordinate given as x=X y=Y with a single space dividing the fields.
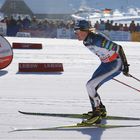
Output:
x=65 y=92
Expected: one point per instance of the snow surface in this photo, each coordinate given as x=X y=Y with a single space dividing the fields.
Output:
x=65 y=92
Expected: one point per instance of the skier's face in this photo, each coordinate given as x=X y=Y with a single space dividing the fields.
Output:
x=81 y=35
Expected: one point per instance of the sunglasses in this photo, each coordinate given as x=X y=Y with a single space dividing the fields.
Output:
x=77 y=31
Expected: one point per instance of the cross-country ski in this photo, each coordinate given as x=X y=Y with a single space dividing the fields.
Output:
x=74 y=127
x=80 y=116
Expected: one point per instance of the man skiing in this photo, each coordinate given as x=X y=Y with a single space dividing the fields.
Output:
x=113 y=62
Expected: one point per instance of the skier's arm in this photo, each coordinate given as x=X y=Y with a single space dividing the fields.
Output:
x=124 y=61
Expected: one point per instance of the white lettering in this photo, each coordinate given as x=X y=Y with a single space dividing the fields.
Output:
x=50 y=65
x=28 y=66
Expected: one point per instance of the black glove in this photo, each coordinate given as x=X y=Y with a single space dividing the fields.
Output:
x=126 y=70
x=124 y=61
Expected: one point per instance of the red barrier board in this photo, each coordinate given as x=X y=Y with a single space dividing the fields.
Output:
x=41 y=67
x=27 y=46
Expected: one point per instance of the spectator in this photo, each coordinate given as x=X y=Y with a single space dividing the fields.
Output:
x=34 y=23
x=132 y=27
x=102 y=26
x=125 y=28
x=26 y=23
x=108 y=25
x=19 y=24
x=138 y=27
x=120 y=27
x=115 y=27
x=97 y=25
x=5 y=20
x=11 y=27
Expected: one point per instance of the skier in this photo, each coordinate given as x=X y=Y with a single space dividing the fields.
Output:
x=113 y=62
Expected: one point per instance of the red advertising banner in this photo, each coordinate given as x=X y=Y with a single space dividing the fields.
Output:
x=27 y=46
x=41 y=67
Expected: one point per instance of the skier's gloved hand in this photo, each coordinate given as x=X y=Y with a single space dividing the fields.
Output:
x=124 y=62
x=126 y=70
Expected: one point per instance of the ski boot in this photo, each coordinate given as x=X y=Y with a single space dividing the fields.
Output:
x=102 y=110
x=95 y=118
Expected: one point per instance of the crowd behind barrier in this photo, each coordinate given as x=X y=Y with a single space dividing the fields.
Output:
x=46 y=28
x=59 y=28
x=111 y=26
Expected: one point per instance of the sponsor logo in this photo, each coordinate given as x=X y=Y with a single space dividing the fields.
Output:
x=52 y=65
x=28 y=65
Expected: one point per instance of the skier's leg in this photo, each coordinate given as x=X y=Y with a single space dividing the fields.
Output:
x=105 y=72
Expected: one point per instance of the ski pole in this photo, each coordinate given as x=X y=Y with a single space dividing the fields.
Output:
x=126 y=84
x=134 y=77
